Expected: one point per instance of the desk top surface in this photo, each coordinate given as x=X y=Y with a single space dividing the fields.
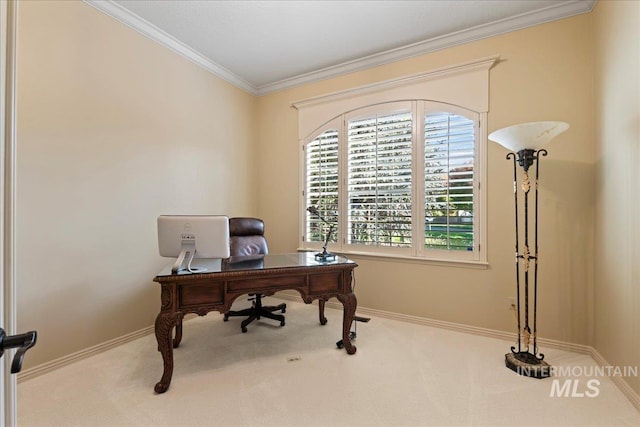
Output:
x=256 y=262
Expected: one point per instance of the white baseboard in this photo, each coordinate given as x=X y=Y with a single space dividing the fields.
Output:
x=622 y=385
x=82 y=354
x=620 y=382
x=491 y=333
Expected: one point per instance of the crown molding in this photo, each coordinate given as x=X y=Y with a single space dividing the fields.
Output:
x=149 y=30
x=466 y=67
x=554 y=12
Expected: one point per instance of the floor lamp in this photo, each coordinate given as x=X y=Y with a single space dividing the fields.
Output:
x=524 y=141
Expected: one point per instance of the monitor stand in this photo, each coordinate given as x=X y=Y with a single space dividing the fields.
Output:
x=187 y=254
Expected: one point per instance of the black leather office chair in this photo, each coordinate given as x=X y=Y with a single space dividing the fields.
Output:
x=246 y=238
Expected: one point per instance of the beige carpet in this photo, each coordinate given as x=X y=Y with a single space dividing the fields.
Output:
x=402 y=375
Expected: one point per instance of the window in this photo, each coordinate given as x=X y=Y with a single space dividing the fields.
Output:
x=322 y=183
x=449 y=160
x=379 y=191
x=376 y=168
x=395 y=176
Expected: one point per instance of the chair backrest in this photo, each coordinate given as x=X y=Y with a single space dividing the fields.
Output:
x=246 y=237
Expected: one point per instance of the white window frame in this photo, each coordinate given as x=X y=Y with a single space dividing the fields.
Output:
x=479 y=194
x=344 y=246
x=465 y=90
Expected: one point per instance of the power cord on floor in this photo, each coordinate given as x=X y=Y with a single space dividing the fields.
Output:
x=353 y=334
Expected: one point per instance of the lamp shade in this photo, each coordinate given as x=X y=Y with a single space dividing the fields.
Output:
x=528 y=135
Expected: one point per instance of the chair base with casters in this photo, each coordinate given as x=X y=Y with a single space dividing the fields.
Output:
x=247 y=241
x=256 y=311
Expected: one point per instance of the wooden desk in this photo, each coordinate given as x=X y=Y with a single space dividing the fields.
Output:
x=226 y=280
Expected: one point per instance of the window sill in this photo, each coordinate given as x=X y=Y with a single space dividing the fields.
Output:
x=480 y=265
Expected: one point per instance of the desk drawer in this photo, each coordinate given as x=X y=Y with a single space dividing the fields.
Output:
x=255 y=285
x=199 y=294
x=325 y=283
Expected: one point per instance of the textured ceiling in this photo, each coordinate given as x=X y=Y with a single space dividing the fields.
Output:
x=262 y=43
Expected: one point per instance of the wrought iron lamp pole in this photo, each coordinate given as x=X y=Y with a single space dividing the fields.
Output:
x=527 y=357
x=523 y=141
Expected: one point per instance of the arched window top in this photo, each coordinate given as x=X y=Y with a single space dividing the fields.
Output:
x=430 y=106
x=465 y=85
x=396 y=179
x=396 y=168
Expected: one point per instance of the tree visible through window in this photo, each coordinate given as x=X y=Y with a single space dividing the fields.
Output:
x=322 y=183
x=400 y=180
x=449 y=178
x=397 y=166
x=379 y=180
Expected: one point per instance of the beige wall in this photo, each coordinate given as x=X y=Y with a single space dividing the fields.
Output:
x=545 y=74
x=113 y=130
x=617 y=255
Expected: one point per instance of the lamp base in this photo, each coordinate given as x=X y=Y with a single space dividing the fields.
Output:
x=527 y=364
x=325 y=257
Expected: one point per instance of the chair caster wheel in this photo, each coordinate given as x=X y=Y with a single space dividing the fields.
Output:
x=282 y=323
x=244 y=330
x=226 y=319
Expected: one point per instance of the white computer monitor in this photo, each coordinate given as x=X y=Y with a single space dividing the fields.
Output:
x=193 y=236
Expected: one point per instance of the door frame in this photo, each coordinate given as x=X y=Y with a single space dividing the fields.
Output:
x=8 y=382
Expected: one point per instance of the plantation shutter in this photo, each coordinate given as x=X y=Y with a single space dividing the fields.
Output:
x=379 y=180
x=449 y=142
x=322 y=184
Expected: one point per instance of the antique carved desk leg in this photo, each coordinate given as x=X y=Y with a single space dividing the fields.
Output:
x=349 y=303
x=178 y=337
x=323 y=319
x=165 y=322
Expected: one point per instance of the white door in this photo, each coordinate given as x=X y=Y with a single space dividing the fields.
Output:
x=8 y=12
